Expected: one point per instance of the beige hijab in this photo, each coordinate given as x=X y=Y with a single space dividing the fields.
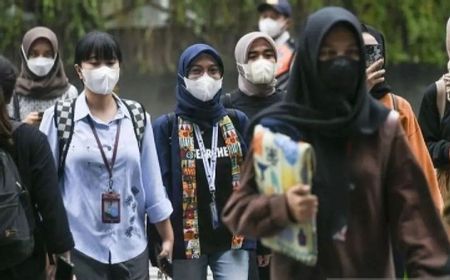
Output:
x=55 y=83
x=241 y=56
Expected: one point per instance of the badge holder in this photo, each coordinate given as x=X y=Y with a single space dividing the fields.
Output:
x=110 y=206
x=214 y=213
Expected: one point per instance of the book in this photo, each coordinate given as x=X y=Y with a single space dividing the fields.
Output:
x=281 y=163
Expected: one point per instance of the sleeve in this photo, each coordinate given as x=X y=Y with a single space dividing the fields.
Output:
x=414 y=222
x=158 y=205
x=252 y=214
x=47 y=196
x=48 y=128
x=420 y=151
x=429 y=121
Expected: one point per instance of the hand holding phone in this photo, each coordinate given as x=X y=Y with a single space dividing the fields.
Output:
x=164 y=264
x=64 y=269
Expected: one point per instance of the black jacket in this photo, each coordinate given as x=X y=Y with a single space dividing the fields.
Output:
x=435 y=131
x=250 y=105
x=37 y=169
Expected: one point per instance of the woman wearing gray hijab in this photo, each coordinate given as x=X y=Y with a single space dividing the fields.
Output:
x=256 y=60
x=42 y=80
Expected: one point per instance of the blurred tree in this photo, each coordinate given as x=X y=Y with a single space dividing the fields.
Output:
x=415 y=29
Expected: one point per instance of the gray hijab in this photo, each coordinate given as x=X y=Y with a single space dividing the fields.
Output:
x=241 y=56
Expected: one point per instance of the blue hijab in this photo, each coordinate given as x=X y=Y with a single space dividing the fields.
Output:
x=206 y=113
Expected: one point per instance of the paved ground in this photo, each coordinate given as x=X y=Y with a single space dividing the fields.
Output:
x=154 y=274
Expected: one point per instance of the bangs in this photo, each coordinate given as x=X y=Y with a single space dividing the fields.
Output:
x=99 y=45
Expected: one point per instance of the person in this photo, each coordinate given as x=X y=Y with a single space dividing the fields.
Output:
x=42 y=80
x=200 y=148
x=104 y=165
x=256 y=59
x=368 y=190
x=275 y=20
x=380 y=90
x=34 y=161
x=433 y=120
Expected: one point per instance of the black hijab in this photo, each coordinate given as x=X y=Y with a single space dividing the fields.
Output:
x=383 y=88
x=329 y=135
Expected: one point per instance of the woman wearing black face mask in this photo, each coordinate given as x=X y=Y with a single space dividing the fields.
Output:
x=368 y=185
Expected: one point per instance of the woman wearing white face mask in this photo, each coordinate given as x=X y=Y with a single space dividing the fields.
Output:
x=42 y=80
x=274 y=20
x=110 y=179
x=256 y=60
x=200 y=149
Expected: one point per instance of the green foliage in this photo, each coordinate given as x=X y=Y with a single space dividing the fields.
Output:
x=414 y=29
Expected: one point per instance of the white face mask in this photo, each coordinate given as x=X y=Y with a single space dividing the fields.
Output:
x=101 y=80
x=271 y=27
x=260 y=71
x=39 y=66
x=203 y=88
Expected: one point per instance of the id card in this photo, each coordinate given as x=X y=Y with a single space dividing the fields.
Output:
x=214 y=215
x=110 y=208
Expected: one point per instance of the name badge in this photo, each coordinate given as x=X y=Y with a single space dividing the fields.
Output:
x=214 y=215
x=110 y=208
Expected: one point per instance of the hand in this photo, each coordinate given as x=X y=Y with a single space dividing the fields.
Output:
x=302 y=205
x=375 y=74
x=166 y=250
x=263 y=260
x=33 y=118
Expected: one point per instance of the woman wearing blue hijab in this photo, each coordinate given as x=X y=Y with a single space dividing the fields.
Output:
x=200 y=149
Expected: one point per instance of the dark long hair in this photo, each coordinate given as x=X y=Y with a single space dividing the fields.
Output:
x=8 y=76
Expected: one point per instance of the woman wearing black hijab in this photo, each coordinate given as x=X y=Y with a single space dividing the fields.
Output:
x=367 y=184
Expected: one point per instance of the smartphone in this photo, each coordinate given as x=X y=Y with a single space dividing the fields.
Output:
x=64 y=269
x=373 y=54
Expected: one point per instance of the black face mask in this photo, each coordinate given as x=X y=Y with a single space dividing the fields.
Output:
x=340 y=75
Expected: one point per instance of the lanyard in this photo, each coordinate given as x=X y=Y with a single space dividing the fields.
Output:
x=210 y=167
x=109 y=167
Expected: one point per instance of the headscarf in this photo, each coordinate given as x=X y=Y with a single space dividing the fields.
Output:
x=329 y=135
x=241 y=56
x=381 y=89
x=203 y=113
x=52 y=85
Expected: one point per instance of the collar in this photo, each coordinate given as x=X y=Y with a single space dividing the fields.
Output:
x=283 y=38
x=82 y=108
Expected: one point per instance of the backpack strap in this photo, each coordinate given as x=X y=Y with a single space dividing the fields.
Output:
x=441 y=99
x=170 y=121
x=63 y=117
x=394 y=102
x=228 y=103
x=16 y=107
x=137 y=112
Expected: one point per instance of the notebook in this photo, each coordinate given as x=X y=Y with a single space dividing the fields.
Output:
x=279 y=164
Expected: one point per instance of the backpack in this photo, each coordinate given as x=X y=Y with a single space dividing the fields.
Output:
x=63 y=118
x=16 y=215
x=441 y=97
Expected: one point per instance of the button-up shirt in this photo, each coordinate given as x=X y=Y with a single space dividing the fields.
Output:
x=136 y=178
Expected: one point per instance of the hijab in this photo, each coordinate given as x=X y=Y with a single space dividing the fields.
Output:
x=241 y=55
x=329 y=134
x=381 y=89
x=207 y=113
x=52 y=85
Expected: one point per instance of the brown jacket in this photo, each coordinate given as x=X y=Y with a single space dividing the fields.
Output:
x=416 y=143
x=390 y=199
